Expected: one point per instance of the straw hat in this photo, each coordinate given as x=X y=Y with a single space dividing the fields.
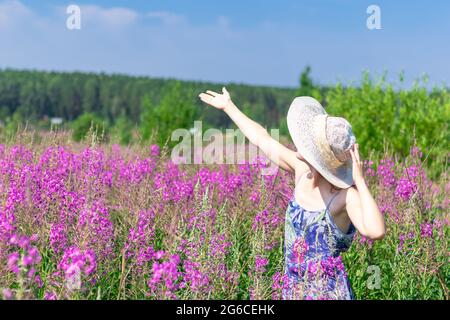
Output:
x=324 y=141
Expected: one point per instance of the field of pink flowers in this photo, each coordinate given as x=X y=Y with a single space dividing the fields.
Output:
x=110 y=222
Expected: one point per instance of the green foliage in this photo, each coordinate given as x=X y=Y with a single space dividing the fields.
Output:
x=122 y=132
x=147 y=119
x=306 y=83
x=307 y=86
x=176 y=110
x=378 y=111
x=68 y=95
x=380 y=114
x=86 y=123
x=11 y=125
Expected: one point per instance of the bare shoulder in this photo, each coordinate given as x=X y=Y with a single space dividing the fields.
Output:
x=352 y=194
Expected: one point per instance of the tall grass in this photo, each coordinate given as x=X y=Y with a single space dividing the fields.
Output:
x=101 y=221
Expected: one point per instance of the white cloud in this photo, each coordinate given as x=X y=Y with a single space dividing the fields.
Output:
x=167 y=44
x=166 y=17
x=223 y=21
x=110 y=17
x=13 y=12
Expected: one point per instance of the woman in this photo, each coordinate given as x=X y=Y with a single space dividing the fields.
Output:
x=330 y=200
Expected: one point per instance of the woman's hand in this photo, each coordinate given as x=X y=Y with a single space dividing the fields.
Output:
x=358 y=176
x=361 y=207
x=282 y=156
x=217 y=100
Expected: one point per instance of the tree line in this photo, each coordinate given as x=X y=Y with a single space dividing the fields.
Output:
x=35 y=96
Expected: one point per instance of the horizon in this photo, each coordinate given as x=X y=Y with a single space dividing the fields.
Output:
x=226 y=42
x=418 y=80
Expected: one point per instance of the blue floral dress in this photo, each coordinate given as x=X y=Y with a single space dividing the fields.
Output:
x=313 y=265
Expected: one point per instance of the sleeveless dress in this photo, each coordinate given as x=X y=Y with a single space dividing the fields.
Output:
x=313 y=265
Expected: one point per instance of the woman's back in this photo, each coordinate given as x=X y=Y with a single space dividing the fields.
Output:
x=313 y=243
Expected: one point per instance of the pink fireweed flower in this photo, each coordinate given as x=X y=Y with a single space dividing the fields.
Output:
x=14 y=239
x=385 y=208
x=58 y=237
x=405 y=188
x=31 y=254
x=218 y=245
x=50 y=296
x=368 y=164
x=412 y=171
x=7 y=294
x=24 y=242
x=94 y=221
x=139 y=243
x=300 y=249
x=159 y=254
x=260 y=264
x=280 y=283
x=339 y=264
x=312 y=268
x=154 y=150
x=426 y=230
x=416 y=152
x=39 y=281
x=165 y=275
x=408 y=183
x=385 y=172
x=327 y=266
x=76 y=261
x=25 y=259
x=254 y=196
x=364 y=240
x=401 y=239
x=262 y=219
x=13 y=262
x=439 y=227
x=194 y=277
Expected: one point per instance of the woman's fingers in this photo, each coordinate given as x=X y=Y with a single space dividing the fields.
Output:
x=354 y=160
x=357 y=152
x=215 y=99
x=214 y=94
x=206 y=98
x=352 y=155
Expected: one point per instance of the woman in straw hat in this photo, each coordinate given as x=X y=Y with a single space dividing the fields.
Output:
x=330 y=200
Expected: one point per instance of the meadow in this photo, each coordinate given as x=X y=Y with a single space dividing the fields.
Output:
x=96 y=209
x=90 y=220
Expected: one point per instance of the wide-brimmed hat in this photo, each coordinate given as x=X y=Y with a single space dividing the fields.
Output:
x=324 y=141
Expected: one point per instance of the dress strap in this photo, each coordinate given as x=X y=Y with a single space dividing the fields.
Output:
x=332 y=198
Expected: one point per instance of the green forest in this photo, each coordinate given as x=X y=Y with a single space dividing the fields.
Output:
x=383 y=115
x=36 y=96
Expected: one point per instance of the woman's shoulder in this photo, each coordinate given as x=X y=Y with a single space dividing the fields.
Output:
x=351 y=194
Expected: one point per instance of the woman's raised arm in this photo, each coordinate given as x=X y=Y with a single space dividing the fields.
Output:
x=255 y=133
x=361 y=207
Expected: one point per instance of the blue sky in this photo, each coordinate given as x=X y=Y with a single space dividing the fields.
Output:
x=255 y=42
